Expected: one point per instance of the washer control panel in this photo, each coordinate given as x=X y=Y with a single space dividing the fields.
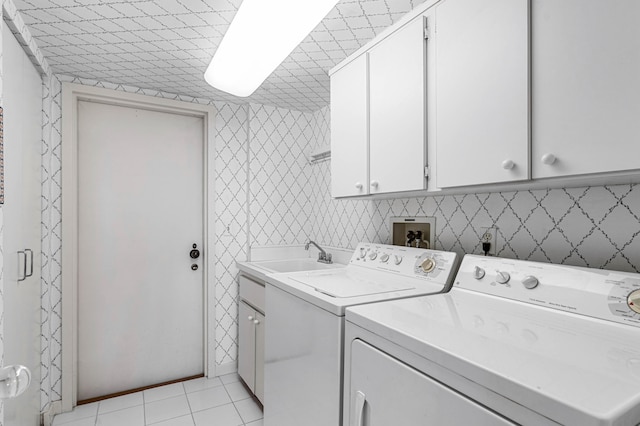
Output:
x=610 y=295
x=433 y=265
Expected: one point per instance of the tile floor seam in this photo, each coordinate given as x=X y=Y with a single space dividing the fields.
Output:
x=234 y=403
x=186 y=394
x=144 y=409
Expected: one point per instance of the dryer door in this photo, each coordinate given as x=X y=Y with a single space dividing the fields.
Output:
x=385 y=392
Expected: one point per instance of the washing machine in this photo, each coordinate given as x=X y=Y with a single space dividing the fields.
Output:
x=304 y=335
x=513 y=342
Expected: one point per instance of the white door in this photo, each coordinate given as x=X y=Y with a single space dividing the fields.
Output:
x=482 y=91
x=585 y=86
x=21 y=241
x=349 y=129
x=397 y=96
x=140 y=210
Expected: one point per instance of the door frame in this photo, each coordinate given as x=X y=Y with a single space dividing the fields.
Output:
x=71 y=94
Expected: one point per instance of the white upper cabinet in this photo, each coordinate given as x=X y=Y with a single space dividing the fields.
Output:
x=349 y=130
x=482 y=91
x=397 y=102
x=586 y=86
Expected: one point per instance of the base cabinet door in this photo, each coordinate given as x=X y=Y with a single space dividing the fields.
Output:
x=384 y=392
x=247 y=345
x=259 y=376
x=586 y=86
x=482 y=92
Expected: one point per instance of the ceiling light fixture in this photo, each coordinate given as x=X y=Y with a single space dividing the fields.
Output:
x=262 y=34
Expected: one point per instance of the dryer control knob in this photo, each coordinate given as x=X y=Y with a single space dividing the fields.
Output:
x=530 y=282
x=373 y=255
x=397 y=259
x=428 y=265
x=502 y=277
x=634 y=301
x=478 y=273
x=384 y=258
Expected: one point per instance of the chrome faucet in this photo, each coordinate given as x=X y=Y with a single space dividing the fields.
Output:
x=323 y=256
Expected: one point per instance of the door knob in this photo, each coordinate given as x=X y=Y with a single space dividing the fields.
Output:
x=14 y=380
x=195 y=253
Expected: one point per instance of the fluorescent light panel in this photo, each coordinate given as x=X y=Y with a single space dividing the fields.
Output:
x=262 y=34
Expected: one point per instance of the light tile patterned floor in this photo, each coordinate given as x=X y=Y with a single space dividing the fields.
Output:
x=221 y=401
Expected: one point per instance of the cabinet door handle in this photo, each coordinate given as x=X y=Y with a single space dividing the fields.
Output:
x=358 y=185
x=508 y=164
x=250 y=318
x=30 y=263
x=24 y=269
x=358 y=408
x=548 y=159
x=256 y=322
x=374 y=183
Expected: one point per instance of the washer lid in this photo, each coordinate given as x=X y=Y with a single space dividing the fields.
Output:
x=342 y=285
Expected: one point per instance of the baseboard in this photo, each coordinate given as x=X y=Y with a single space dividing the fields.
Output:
x=227 y=368
x=55 y=408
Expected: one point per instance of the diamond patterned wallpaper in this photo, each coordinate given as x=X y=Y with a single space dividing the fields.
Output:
x=276 y=176
x=167 y=45
x=1 y=244
x=281 y=197
x=595 y=226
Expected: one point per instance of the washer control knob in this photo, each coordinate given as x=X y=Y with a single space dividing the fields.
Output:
x=384 y=258
x=634 y=301
x=373 y=255
x=363 y=252
x=397 y=259
x=478 y=273
x=428 y=265
x=530 y=282
x=502 y=277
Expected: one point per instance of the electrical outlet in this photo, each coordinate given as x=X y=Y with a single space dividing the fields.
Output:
x=489 y=235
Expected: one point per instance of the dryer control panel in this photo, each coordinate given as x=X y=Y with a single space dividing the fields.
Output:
x=432 y=265
x=610 y=295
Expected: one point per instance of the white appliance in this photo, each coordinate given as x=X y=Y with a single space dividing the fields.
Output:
x=305 y=327
x=513 y=342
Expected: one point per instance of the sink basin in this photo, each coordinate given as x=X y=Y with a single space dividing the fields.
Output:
x=295 y=265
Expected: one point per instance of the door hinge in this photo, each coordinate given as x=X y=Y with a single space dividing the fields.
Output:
x=426 y=171
x=426 y=33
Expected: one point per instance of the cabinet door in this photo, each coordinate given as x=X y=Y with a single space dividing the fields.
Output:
x=397 y=98
x=259 y=389
x=349 y=130
x=586 y=86
x=482 y=85
x=386 y=392
x=247 y=345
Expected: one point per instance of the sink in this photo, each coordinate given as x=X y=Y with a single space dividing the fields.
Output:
x=295 y=265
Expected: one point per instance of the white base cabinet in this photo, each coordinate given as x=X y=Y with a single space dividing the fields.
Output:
x=251 y=325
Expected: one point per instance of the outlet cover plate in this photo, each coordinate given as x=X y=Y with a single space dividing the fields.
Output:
x=489 y=235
